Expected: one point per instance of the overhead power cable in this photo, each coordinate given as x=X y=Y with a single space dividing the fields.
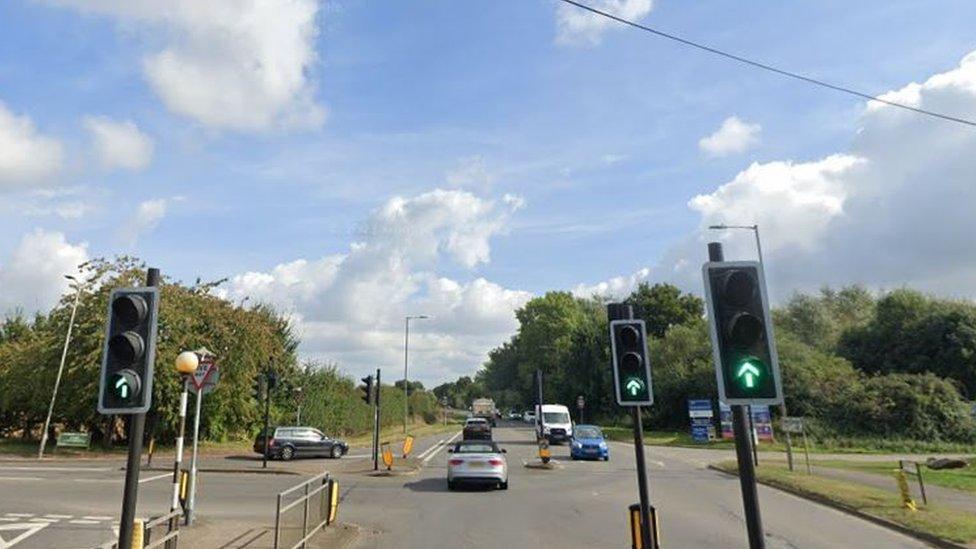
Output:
x=770 y=68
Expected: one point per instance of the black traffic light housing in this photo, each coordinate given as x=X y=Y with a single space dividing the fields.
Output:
x=367 y=388
x=631 y=367
x=743 y=346
x=126 y=381
x=257 y=387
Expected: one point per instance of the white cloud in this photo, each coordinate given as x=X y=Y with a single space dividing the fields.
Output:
x=26 y=157
x=32 y=278
x=227 y=63
x=617 y=287
x=350 y=306
x=894 y=209
x=146 y=217
x=733 y=136
x=577 y=26
x=119 y=144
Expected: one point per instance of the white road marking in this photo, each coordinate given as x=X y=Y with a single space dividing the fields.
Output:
x=433 y=447
x=357 y=456
x=21 y=478
x=82 y=521
x=30 y=528
x=157 y=477
x=97 y=480
x=50 y=521
x=58 y=516
x=445 y=445
x=20 y=514
x=94 y=517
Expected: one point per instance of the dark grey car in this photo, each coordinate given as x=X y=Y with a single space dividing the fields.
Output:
x=289 y=442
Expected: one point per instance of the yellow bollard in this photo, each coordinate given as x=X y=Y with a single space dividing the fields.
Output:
x=636 y=539
x=906 y=497
x=333 y=501
x=387 y=456
x=407 y=446
x=137 y=533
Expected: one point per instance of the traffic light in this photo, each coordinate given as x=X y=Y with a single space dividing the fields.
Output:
x=743 y=347
x=367 y=389
x=125 y=385
x=257 y=387
x=631 y=367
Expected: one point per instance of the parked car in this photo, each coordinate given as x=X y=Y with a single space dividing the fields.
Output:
x=588 y=443
x=514 y=415
x=288 y=442
x=477 y=462
x=476 y=428
x=528 y=416
x=556 y=424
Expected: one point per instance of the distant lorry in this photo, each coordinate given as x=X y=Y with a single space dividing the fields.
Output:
x=554 y=423
x=484 y=407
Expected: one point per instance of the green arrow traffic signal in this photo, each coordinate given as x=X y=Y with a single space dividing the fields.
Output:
x=122 y=387
x=748 y=373
x=634 y=386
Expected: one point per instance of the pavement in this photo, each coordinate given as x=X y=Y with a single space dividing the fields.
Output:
x=54 y=504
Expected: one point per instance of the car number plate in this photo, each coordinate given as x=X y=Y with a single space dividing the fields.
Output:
x=476 y=465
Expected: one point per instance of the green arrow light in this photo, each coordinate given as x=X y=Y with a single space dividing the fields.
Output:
x=749 y=374
x=634 y=386
x=122 y=387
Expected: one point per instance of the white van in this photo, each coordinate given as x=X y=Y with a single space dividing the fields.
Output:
x=554 y=423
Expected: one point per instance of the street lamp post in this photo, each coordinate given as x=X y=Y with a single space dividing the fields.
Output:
x=64 y=355
x=406 y=362
x=782 y=407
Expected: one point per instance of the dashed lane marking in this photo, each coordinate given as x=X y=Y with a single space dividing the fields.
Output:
x=58 y=516
x=83 y=521
x=20 y=514
x=21 y=478
x=94 y=517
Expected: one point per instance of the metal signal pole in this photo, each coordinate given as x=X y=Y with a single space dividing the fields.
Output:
x=376 y=423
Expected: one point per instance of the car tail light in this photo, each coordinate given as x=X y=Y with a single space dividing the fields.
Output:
x=495 y=462
x=456 y=461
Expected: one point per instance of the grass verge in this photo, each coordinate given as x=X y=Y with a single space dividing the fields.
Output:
x=959 y=479
x=827 y=446
x=930 y=520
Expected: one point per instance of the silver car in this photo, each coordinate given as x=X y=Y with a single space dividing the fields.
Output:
x=477 y=462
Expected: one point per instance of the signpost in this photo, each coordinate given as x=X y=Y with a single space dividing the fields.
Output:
x=701 y=414
x=580 y=404
x=203 y=380
x=798 y=425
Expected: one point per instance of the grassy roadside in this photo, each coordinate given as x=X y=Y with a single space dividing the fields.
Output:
x=683 y=439
x=960 y=479
x=394 y=434
x=943 y=523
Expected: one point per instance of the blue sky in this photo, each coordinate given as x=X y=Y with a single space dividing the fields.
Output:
x=577 y=156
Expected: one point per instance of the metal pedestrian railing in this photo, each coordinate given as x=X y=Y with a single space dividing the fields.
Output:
x=160 y=532
x=302 y=510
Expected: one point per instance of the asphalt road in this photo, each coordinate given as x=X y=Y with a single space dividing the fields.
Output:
x=63 y=504
x=584 y=504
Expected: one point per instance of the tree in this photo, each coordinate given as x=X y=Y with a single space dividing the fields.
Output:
x=663 y=305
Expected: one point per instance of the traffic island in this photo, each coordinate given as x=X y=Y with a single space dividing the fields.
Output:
x=934 y=524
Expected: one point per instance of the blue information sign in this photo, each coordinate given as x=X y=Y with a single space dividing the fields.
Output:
x=700 y=412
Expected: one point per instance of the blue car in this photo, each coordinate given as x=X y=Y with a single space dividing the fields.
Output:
x=588 y=443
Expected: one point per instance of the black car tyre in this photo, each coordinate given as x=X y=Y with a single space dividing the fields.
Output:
x=335 y=453
x=287 y=453
x=451 y=485
x=503 y=485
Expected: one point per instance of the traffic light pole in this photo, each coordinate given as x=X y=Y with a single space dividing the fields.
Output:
x=136 y=428
x=267 y=417
x=376 y=424
x=743 y=452
x=622 y=311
